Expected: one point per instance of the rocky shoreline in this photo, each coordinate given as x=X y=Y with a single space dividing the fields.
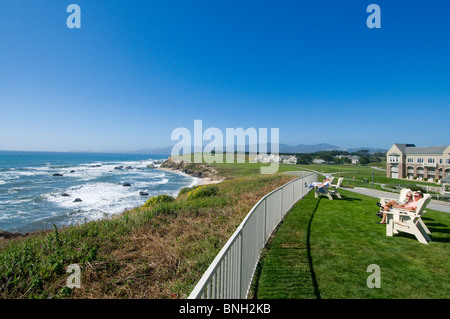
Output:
x=206 y=174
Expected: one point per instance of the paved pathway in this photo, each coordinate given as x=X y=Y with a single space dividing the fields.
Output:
x=377 y=193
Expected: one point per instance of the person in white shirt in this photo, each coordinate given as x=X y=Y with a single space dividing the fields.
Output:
x=321 y=186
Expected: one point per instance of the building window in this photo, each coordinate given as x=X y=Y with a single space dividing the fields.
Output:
x=431 y=161
x=447 y=161
x=420 y=172
x=410 y=160
x=410 y=172
x=393 y=159
x=420 y=160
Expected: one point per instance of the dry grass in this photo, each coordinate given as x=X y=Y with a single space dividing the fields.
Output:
x=166 y=257
x=154 y=252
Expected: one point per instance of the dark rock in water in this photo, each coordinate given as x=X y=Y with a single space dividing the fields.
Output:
x=72 y=171
x=129 y=167
x=197 y=174
x=57 y=174
x=143 y=193
x=118 y=167
x=77 y=200
x=126 y=184
x=65 y=194
x=75 y=212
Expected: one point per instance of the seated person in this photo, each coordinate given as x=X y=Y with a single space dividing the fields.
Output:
x=409 y=205
x=320 y=186
x=394 y=204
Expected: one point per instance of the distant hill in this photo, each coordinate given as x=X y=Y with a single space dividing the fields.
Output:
x=303 y=148
x=283 y=148
x=160 y=150
x=371 y=150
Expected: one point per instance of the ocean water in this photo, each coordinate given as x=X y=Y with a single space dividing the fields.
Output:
x=32 y=198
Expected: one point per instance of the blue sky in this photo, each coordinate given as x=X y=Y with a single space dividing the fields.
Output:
x=137 y=70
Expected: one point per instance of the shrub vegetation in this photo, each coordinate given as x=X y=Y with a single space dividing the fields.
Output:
x=159 y=250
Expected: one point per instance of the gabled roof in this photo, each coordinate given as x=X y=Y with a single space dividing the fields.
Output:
x=402 y=147
x=425 y=150
x=411 y=149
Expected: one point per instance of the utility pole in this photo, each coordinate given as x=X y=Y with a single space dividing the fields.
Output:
x=372 y=178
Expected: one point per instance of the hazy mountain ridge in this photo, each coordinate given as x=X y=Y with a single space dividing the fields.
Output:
x=283 y=148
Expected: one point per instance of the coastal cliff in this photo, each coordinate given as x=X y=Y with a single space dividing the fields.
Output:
x=195 y=170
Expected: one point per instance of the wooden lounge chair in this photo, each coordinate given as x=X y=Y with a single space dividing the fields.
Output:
x=334 y=188
x=409 y=222
x=322 y=191
x=401 y=198
x=329 y=191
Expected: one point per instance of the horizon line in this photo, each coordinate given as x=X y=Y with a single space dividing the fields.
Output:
x=155 y=150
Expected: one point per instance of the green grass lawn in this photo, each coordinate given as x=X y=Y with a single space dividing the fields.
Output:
x=361 y=176
x=250 y=169
x=354 y=175
x=323 y=249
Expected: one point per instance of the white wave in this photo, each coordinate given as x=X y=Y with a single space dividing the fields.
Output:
x=195 y=182
x=14 y=201
x=31 y=173
x=6 y=216
x=133 y=164
x=37 y=168
x=163 y=181
x=92 y=171
x=87 y=173
x=22 y=213
x=9 y=175
x=98 y=199
x=15 y=190
x=155 y=175
x=14 y=174
x=143 y=184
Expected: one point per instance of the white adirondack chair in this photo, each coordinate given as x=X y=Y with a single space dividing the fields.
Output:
x=409 y=222
x=325 y=191
x=329 y=191
x=401 y=198
x=334 y=188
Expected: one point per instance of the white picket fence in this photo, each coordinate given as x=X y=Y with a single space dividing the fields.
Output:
x=231 y=273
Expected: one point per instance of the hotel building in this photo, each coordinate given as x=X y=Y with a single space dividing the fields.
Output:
x=424 y=163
